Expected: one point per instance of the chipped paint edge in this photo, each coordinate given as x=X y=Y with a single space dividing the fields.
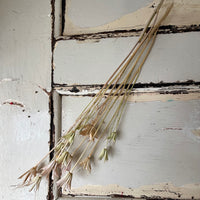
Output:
x=183 y=13
x=174 y=93
x=162 y=190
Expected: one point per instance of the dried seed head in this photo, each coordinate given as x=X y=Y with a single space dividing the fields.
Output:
x=88 y=130
x=69 y=137
x=60 y=159
x=67 y=162
x=59 y=146
x=48 y=168
x=29 y=175
x=36 y=182
x=86 y=164
x=112 y=136
x=104 y=154
x=56 y=171
x=65 y=181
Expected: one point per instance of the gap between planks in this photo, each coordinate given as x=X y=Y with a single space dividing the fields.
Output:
x=169 y=29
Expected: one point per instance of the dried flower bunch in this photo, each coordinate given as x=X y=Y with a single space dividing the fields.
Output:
x=101 y=117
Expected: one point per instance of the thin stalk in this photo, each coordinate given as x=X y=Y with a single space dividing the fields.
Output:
x=137 y=60
x=123 y=69
x=119 y=107
x=80 y=157
x=150 y=34
x=77 y=148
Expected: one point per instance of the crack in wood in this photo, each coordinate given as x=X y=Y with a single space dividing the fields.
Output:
x=63 y=15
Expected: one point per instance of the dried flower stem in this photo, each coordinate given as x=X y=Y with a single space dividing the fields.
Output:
x=90 y=123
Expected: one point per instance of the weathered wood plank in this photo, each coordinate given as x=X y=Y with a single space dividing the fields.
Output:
x=25 y=67
x=107 y=16
x=172 y=93
x=173 y=58
x=157 y=145
x=157 y=191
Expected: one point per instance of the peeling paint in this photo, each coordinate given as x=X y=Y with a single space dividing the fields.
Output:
x=196 y=132
x=173 y=129
x=183 y=13
x=165 y=94
x=163 y=190
x=13 y=103
x=8 y=80
x=95 y=37
x=45 y=90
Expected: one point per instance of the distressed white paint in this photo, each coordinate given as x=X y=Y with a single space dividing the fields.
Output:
x=91 y=16
x=100 y=12
x=25 y=66
x=164 y=190
x=172 y=93
x=174 y=57
x=156 y=145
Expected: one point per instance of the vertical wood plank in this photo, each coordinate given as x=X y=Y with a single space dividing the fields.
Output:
x=25 y=72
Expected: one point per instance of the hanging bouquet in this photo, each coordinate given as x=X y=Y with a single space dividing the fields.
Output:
x=101 y=117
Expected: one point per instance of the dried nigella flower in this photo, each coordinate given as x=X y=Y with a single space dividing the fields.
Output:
x=36 y=182
x=89 y=130
x=70 y=137
x=64 y=162
x=59 y=146
x=56 y=171
x=102 y=114
x=65 y=181
x=48 y=168
x=86 y=164
x=29 y=175
x=60 y=159
x=68 y=161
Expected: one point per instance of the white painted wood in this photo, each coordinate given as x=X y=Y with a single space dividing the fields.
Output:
x=156 y=145
x=79 y=15
x=174 y=57
x=157 y=191
x=25 y=61
x=171 y=93
x=57 y=109
x=58 y=18
x=93 y=16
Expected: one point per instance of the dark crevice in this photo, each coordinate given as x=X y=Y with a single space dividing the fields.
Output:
x=63 y=16
x=74 y=89
x=132 y=32
x=121 y=196
x=50 y=195
x=137 y=85
x=157 y=198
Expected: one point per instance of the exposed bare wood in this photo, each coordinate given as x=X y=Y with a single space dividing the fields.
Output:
x=161 y=191
x=183 y=14
x=177 y=93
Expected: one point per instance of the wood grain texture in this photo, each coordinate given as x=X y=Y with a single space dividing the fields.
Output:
x=124 y=15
